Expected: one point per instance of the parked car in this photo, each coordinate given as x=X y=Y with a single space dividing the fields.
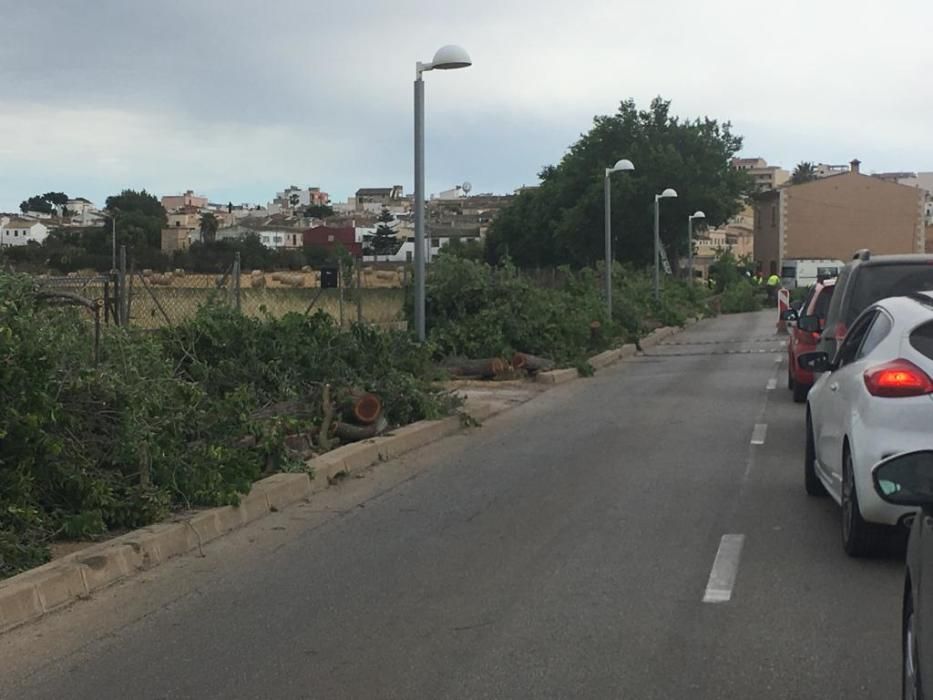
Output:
x=865 y=280
x=804 y=330
x=907 y=480
x=804 y=273
x=872 y=400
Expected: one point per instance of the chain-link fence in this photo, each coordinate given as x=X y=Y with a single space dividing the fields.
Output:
x=354 y=292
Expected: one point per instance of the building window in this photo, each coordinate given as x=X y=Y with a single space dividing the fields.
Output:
x=330 y=238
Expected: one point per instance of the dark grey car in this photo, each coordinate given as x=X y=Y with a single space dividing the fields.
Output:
x=866 y=280
x=907 y=480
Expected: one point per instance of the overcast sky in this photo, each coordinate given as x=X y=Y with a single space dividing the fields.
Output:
x=237 y=99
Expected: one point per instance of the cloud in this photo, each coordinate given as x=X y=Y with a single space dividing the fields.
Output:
x=239 y=98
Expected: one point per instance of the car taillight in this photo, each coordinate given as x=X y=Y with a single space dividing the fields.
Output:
x=816 y=336
x=896 y=379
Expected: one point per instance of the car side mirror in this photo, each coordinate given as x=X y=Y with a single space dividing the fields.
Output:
x=814 y=361
x=810 y=324
x=905 y=479
x=790 y=315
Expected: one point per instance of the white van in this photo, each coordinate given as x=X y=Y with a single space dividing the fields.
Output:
x=803 y=273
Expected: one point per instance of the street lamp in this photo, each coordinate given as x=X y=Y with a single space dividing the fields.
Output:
x=620 y=166
x=657 y=239
x=696 y=215
x=446 y=58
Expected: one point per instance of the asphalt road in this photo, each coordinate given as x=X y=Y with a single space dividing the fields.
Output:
x=563 y=550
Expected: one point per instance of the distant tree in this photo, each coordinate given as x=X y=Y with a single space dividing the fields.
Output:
x=140 y=218
x=209 y=226
x=319 y=211
x=36 y=204
x=294 y=200
x=57 y=198
x=804 y=172
x=229 y=207
x=561 y=221
x=383 y=241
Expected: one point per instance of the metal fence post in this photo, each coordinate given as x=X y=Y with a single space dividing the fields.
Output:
x=340 y=289
x=122 y=306
x=236 y=280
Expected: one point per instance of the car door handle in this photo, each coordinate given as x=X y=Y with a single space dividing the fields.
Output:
x=834 y=386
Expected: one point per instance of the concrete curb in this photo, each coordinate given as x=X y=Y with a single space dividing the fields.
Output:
x=31 y=594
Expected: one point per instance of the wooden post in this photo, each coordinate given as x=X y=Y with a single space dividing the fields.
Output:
x=359 y=290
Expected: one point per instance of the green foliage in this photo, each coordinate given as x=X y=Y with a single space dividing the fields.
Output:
x=140 y=219
x=804 y=172
x=152 y=427
x=471 y=250
x=739 y=297
x=383 y=241
x=561 y=221
x=209 y=225
x=319 y=211
x=476 y=310
x=36 y=204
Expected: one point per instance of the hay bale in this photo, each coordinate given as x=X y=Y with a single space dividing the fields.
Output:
x=179 y=272
x=289 y=279
x=257 y=281
x=257 y=273
x=306 y=268
x=161 y=280
x=147 y=272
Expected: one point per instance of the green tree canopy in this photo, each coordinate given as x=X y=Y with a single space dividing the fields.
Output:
x=209 y=226
x=804 y=172
x=383 y=241
x=319 y=211
x=140 y=218
x=561 y=221
x=44 y=203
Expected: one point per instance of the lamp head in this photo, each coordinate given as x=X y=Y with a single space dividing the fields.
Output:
x=451 y=57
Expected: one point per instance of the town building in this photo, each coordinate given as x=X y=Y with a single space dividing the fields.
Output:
x=330 y=237
x=16 y=232
x=832 y=217
x=295 y=197
x=181 y=201
x=826 y=170
x=766 y=177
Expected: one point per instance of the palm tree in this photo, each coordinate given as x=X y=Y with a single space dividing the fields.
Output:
x=209 y=226
x=804 y=172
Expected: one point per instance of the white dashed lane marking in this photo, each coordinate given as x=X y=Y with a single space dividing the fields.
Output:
x=759 y=433
x=725 y=569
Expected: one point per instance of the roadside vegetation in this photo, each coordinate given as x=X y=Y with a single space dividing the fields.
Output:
x=172 y=419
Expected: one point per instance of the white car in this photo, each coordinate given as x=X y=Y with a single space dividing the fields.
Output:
x=873 y=400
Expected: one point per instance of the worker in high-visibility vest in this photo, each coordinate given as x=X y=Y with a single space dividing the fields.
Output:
x=773 y=283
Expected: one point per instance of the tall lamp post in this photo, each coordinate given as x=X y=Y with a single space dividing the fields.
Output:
x=620 y=166
x=695 y=215
x=446 y=58
x=657 y=239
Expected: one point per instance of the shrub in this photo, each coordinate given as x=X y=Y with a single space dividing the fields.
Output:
x=153 y=426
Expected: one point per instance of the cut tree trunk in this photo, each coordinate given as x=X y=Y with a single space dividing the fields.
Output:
x=363 y=407
x=485 y=369
x=354 y=433
x=531 y=363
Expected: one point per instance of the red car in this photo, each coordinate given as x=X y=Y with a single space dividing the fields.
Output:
x=805 y=334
